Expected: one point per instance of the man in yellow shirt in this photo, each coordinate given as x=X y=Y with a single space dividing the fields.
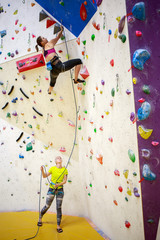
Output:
x=58 y=179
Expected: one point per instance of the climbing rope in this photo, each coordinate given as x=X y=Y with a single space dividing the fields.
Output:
x=74 y=142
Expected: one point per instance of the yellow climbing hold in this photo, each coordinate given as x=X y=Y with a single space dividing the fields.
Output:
x=118 y=19
x=60 y=114
x=134 y=80
x=129 y=192
x=116 y=33
x=144 y=132
x=15 y=12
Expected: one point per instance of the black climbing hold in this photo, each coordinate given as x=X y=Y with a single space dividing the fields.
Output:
x=5 y=105
x=37 y=112
x=42 y=15
x=51 y=99
x=23 y=93
x=19 y=137
x=11 y=90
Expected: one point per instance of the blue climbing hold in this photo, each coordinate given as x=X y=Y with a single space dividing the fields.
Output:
x=147 y=173
x=138 y=11
x=144 y=111
x=3 y=33
x=140 y=56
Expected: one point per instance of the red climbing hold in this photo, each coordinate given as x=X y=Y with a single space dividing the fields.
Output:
x=138 y=33
x=84 y=72
x=83 y=12
x=117 y=173
x=49 y=23
x=141 y=100
x=112 y=62
x=120 y=189
x=127 y=224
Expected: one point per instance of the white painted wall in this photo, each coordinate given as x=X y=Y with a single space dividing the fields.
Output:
x=83 y=171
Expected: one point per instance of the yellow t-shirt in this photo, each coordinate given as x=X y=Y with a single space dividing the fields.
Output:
x=57 y=173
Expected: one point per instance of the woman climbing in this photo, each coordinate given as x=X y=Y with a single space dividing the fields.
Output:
x=55 y=189
x=56 y=65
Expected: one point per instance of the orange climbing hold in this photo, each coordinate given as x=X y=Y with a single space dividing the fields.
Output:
x=99 y=158
x=84 y=72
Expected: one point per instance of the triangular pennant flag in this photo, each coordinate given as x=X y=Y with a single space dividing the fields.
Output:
x=84 y=72
x=49 y=23
x=56 y=28
x=42 y=15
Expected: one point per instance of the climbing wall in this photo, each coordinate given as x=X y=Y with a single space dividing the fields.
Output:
x=106 y=171
x=107 y=132
x=147 y=89
x=23 y=22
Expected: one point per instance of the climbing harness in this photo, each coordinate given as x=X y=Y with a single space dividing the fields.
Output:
x=74 y=142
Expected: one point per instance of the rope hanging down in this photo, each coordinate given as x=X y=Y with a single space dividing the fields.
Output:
x=75 y=135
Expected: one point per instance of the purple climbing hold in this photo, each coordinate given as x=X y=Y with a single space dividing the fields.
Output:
x=102 y=82
x=16 y=52
x=4 y=91
x=99 y=2
x=128 y=91
x=136 y=194
x=12 y=55
x=132 y=116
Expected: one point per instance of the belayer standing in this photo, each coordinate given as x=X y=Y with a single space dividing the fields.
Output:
x=58 y=179
x=56 y=65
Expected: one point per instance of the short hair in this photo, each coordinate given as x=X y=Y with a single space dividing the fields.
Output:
x=57 y=158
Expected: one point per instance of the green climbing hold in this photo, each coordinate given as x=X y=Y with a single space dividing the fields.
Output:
x=89 y=194
x=85 y=111
x=95 y=130
x=62 y=38
x=61 y=2
x=84 y=42
x=146 y=89
x=8 y=115
x=131 y=155
x=84 y=83
x=126 y=199
x=93 y=37
x=135 y=174
x=9 y=54
x=113 y=92
x=83 y=92
x=122 y=37
x=29 y=125
x=90 y=157
x=70 y=181
x=1 y=68
x=90 y=185
x=79 y=127
x=29 y=146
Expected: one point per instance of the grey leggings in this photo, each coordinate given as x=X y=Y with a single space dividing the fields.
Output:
x=49 y=199
x=62 y=67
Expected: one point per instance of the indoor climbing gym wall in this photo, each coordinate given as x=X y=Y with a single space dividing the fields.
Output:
x=144 y=47
x=110 y=121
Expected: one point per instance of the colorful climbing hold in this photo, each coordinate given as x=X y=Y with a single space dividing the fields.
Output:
x=144 y=132
x=144 y=111
x=122 y=37
x=140 y=56
x=136 y=194
x=127 y=224
x=125 y=173
x=131 y=155
x=147 y=173
x=83 y=12
x=92 y=37
x=146 y=89
x=145 y=153
x=121 y=24
x=138 y=11
x=116 y=172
